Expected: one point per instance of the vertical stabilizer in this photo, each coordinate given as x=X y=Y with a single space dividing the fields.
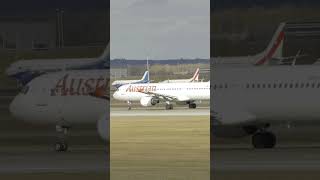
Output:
x=274 y=49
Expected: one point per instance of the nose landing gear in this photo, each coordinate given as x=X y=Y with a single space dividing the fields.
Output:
x=129 y=105
x=61 y=144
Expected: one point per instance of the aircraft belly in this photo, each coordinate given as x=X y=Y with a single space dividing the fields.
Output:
x=269 y=106
x=286 y=105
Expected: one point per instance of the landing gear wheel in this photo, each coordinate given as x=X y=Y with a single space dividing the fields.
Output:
x=169 y=106
x=192 y=106
x=129 y=105
x=262 y=140
x=61 y=146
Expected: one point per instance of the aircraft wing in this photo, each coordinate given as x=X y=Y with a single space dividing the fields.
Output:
x=166 y=97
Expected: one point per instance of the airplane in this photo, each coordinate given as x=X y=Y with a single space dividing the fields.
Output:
x=272 y=52
x=144 y=79
x=248 y=101
x=25 y=70
x=195 y=78
x=64 y=99
x=151 y=94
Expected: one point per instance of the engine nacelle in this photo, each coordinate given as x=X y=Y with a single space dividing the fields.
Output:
x=149 y=101
x=103 y=127
x=232 y=124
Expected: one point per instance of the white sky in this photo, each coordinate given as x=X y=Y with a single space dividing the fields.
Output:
x=160 y=29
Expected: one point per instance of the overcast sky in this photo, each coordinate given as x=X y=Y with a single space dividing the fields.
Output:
x=160 y=29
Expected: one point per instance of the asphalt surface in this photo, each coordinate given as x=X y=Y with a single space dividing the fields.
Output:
x=177 y=111
x=26 y=148
x=39 y=159
x=283 y=158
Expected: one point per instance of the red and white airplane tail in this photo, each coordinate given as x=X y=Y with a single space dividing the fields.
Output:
x=195 y=77
x=274 y=49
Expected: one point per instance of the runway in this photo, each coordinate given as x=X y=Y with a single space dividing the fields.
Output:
x=177 y=111
x=25 y=148
x=297 y=149
x=40 y=159
x=279 y=159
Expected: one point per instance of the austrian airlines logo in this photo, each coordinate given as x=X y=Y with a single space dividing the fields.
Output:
x=77 y=87
x=141 y=88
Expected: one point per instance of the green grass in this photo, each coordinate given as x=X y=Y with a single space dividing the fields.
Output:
x=160 y=148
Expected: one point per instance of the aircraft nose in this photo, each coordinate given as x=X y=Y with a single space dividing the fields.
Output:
x=14 y=107
x=116 y=95
x=20 y=108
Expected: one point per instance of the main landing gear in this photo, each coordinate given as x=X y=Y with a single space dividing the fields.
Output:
x=192 y=106
x=263 y=139
x=61 y=144
x=169 y=106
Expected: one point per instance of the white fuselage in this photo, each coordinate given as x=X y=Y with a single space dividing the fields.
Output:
x=266 y=94
x=183 y=91
x=62 y=97
x=178 y=81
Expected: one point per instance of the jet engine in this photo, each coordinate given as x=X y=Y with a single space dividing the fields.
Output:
x=103 y=127
x=149 y=101
x=233 y=124
x=229 y=131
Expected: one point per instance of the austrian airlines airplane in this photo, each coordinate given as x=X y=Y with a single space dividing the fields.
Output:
x=247 y=101
x=65 y=99
x=144 y=79
x=195 y=78
x=273 y=51
x=25 y=70
x=151 y=94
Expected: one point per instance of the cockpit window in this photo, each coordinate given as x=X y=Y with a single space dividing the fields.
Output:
x=24 y=90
